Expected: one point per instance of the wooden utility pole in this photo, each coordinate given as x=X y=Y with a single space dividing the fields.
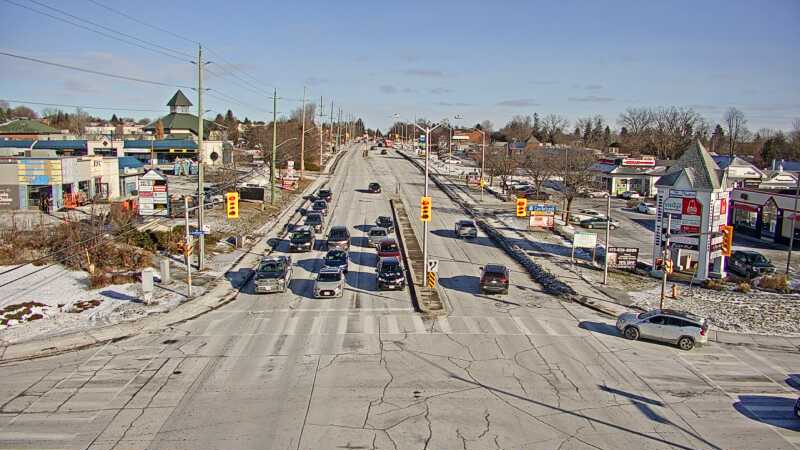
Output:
x=303 y=138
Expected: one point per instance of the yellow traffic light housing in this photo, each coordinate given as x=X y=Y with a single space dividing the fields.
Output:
x=425 y=209
x=232 y=205
x=727 y=239
x=522 y=206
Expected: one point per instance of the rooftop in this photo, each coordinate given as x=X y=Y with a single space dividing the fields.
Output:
x=26 y=126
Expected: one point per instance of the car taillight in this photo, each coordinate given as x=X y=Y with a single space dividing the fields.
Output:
x=703 y=329
x=503 y=280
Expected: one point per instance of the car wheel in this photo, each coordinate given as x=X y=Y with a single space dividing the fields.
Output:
x=686 y=343
x=631 y=333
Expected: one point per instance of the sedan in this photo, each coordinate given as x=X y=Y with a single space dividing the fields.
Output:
x=336 y=259
x=599 y=222
x=584 y=214
x=646 y=208
x=628 y=195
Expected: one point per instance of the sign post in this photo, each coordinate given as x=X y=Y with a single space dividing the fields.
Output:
x=432 y=272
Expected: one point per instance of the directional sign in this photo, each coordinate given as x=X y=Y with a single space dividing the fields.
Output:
x=433 y=265
x=197 y=233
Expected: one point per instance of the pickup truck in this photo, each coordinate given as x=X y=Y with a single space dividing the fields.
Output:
x=274 y=273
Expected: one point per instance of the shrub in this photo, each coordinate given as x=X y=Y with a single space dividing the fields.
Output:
x=714 y=284
x=743 y=287
x=777 y=283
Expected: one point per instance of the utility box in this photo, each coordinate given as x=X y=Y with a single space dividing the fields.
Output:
x=163 y=267
x=148 y=275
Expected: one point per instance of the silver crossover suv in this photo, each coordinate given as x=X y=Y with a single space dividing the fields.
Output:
x=666 y=325
x=329 y=283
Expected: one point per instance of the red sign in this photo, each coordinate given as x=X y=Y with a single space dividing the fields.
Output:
x=723 y=206
x=690 y=229
x=691 y=207
x=159 y=188
x=639 y=162
x=745 y=207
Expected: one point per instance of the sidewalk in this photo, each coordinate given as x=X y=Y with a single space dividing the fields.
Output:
x=222 y=290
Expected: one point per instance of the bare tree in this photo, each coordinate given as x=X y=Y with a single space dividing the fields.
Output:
x=518 y=129
x=553 y=125
x=735 y=122
x=574 y=168
x=500 y=164
x=539 y=166
x=487 y=126
x=638 y=124
x=673 y=130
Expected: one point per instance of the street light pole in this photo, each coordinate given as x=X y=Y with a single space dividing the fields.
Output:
x=274 y=146
x=201 y=192
x=303 y=138
x=483 y=159
x=608 y=239
x=427 y=131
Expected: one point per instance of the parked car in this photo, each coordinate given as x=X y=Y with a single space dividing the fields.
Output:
x=390 y=274
x=336 y=258
x=494 y=279
x=646 y=208
x=531 y=194
x=452 y=161
x=384 y=151
x=375 y=235
x=273 y=274
x=302 y=240
x=750 y=263
x=375 y=188
x=329 y=283
x=388 y=247
x=584 y=214
x=320 y=206
x=627 y=195
x=338 y=237
x=597 y=194
x=465 y=229
x=599 y=222
x=314 y=220
x=325 y=194
x=684 y=329
x=385 y=222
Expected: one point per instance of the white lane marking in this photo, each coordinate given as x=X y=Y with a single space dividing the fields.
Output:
x=783 y=372
x=368 y=324
x=391 y=323
x=301 y=309
x=34 y=436
x=342 y=329
x=546 y=327
x=317 y=325
x=292 y=325
x=444 y=325
x=495 y=325
x=472 y=325
x=419 y=326
x=522 y=327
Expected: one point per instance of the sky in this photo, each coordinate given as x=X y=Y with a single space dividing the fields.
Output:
x=478 y=60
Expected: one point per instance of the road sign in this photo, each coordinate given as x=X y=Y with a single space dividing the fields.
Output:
x=197 y=233
x=584 y=239
x=433 y=265
x=431 y=280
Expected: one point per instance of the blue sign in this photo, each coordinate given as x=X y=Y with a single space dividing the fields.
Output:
x=542 y=208
x=197 y=233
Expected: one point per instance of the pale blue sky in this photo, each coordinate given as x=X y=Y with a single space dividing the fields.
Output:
x=483 y=60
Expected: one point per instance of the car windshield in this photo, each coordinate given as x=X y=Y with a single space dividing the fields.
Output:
x=329 y=276
x=320 y=205
x=337 y=235
x=324 y=193
x=648 y=314
x=270 y=267
x=391 y=269
x=300 y=235
x=388 y=247
x=335 y=256
x=758 y=259
x=313 y=219
x=383 y=220
x=378 y=232
x=467 y=225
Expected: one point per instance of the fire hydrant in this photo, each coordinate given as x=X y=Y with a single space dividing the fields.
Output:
x=674 y=291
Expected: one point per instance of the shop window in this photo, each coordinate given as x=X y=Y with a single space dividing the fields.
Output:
x=770 y=220
x=743 y=218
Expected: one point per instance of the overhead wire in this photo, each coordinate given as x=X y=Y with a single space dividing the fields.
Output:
x=63 y=105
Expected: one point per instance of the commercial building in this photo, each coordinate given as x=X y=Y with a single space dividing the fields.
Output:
x=767 y=212
x=617 y=174
x=26 y=129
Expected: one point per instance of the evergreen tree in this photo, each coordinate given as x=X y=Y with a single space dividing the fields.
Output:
x=114 y=119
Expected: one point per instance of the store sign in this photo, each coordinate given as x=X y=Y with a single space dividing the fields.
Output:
x=541 y=221
x=682 y=193
x=691 y=207
x=690 y=229
x=542 y=209
x=673 y=205
x=639 y=162
x=723 y=206
x=623 y=257
x=584 y=239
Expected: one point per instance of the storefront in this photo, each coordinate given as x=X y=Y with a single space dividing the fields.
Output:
x=617 y=175
x=766 y=215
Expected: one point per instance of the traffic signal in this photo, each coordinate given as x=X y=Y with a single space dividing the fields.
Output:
x=522 y=206
x=232 y=205
x=668 y=266
x=425 y=209
x=727 y=239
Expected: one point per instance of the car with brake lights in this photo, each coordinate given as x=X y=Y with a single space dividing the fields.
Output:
x=385 y=222
x=494 y=279
x=314 y=221
x=338 y=237
x=390 y=274
x=320 y=206
x=325 y=194
x=388 y=247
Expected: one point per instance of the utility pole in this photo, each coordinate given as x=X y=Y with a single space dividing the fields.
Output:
x=188 y=255
x=303 y=138
x=321 y=126
x=664 y=257
x=794 y=222
x=608 y=238
x=274 y=146
x=201 y=190
x=333 y=146
x=339 y=128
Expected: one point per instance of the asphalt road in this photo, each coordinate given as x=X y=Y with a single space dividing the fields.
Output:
x=286 y=371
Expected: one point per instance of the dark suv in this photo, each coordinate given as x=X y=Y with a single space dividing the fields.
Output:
x=314 y=220
x=302 y=240
x=390 y=274
x=494 y=279
x=338 y=237
x=375 y=188
x=385 y=222
x=750 y=264
x=325 y=194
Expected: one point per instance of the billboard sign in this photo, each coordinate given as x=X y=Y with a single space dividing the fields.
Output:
x=691 y=207
x=623 y=257
x=584 y=239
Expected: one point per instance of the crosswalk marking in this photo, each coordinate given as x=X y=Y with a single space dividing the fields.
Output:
x=444 y=325
x=368 y=325
x=495 y=326
x=391 y=322
x=546 y=327
x=518 y=321
x=472 y=325
x=342 y=329
x=317 y=325
x=292 y=325
x=419 y=326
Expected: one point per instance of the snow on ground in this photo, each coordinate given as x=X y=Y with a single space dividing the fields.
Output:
x=68 y=302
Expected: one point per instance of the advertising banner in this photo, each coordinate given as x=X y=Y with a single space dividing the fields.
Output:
x=623 y=257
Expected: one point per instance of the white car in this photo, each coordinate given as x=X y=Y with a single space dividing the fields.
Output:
x=627 y=195
x=452 y=161
x=584 y=214
x=646 y=208
x=597 y=194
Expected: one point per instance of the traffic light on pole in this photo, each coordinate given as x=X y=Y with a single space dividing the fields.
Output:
x=522 y=206
x=727 y=239
x=425 y=209
x=232 y=205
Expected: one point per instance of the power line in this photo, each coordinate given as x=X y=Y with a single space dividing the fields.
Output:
x=111 y=36
x=28 y=102
x=220 y=96
x=141 y=22
x=95 y=72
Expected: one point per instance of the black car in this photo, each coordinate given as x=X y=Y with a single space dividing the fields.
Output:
x=314 y=220
x=374 y=188
x=338 y=237
x=385 y=222
x=750 y=264
x=325 y=194
x=336 y=258
x=302 y=240
x=384 y=151
x=494 y=279
x=390 y=274
x=320 y=206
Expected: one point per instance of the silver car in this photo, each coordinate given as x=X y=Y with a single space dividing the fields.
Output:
x=329 y=283
x=376 y=235
x=667 y=325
